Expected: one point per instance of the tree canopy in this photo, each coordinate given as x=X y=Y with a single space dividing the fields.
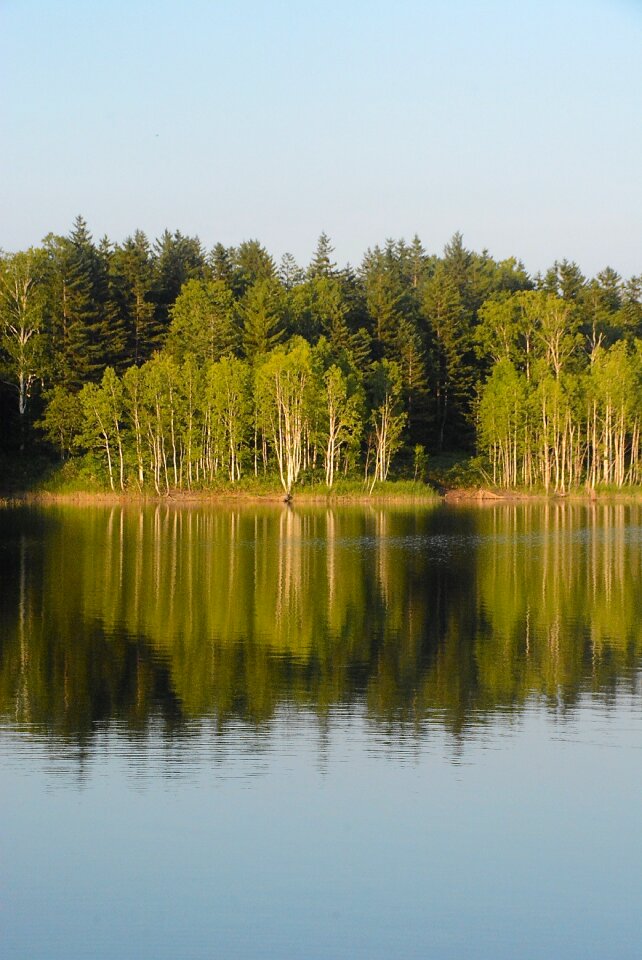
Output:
x=176 y=367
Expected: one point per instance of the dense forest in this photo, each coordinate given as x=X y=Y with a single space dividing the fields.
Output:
x=166 y=366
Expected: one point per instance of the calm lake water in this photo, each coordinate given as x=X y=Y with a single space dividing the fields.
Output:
x=266 y=732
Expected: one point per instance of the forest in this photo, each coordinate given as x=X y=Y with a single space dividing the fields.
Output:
x=163 y=366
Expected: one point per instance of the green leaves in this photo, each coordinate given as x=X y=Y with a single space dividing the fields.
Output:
x=23 y=356
x=204 y=322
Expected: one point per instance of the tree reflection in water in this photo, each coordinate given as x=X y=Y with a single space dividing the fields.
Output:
x=411 y=615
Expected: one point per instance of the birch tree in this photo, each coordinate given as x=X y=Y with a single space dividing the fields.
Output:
x=229 y=387
x=21 y=324
x=103 y=408
x=283 y=394
x=342 y=401
x=387 y=417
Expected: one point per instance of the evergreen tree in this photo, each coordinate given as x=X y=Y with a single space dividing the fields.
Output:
x=132 y=270
x=630 y=314
x=221 y=263
x=290 y=273
x=177 y=259
x=78 y=313
x=322 y=264
x=564 y=279
x=113 y=327
x=262 y=311
x=451 y=359
x=385 y=295
x=252 y=263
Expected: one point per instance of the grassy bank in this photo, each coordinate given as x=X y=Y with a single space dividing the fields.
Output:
x=82 y=479
x=454 y=479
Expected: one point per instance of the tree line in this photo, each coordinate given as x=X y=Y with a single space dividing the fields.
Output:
x=180 y=367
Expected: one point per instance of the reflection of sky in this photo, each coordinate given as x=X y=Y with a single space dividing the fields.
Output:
x=330 y=845
x=357 y=823
x=513 y=122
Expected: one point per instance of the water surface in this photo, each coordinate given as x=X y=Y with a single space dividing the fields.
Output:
x=306 y=732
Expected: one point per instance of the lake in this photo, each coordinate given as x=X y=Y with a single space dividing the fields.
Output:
x=309 y=732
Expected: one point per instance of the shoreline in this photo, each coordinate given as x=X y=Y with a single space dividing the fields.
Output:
x=464 y=496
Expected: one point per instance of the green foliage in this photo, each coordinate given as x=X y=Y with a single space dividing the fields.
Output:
x=340 y=413
x=103 y=408
x=251 y=264
x=62 y=420
x=387 y=417
x=322 y=265
x=447 y=320
x=284 y=404
x=176 y=260
x=525 y=373
x=80 y=475
x=23 y=340
x=263 y=312
x=230 y=396
x=203 y=322
x=419 y=462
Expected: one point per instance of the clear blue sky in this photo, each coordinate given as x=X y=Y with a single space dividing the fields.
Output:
x=519 y=124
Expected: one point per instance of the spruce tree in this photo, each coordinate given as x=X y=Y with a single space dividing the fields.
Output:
x=81 y=310
x=132 y=267
x=177 y=258
x=322 y=264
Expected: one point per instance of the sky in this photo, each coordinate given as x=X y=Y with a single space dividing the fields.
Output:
x=518 y=124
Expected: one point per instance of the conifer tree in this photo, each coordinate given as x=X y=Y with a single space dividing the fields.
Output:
x=262 y=312
x=451 y=358
x=322 y=264
x=132 y=272
x=221 y=262
x=252 y=263
x=112 y=330
x=82 y=312
x=177 y=258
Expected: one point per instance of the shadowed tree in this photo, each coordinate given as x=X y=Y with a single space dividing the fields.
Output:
x=132 y=267
x=177 y=259
x=450 y=346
